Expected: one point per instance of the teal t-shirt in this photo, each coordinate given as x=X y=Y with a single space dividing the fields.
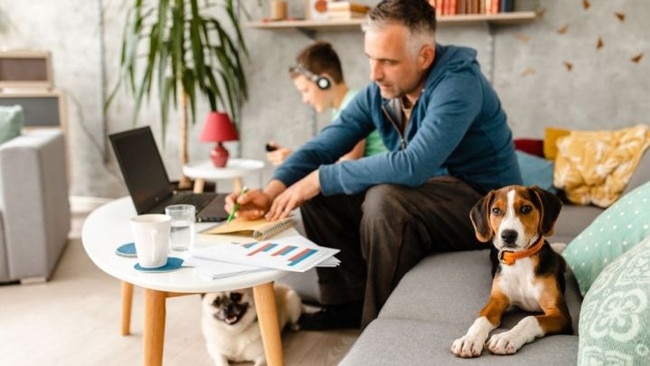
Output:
x=374 y=143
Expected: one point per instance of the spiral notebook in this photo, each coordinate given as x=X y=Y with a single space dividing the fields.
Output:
x=257 y=229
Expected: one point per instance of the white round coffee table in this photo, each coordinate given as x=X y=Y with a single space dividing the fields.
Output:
x=107 y=227
x=235 y=169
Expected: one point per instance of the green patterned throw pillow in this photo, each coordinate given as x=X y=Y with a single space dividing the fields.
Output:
x=11 y=122
x=613 y=232
x=615 y=314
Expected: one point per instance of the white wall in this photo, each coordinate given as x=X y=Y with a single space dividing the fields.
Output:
x=603 y=90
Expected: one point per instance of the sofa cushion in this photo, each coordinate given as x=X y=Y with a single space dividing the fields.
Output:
x=415 y=342
x=436 y=289
x=453 y=287
x=618 y=229
x=11 y=122
x=572 y=221
x=615 y=321
x=536 y=171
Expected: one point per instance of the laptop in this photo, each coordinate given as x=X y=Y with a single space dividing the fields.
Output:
x=147 y=180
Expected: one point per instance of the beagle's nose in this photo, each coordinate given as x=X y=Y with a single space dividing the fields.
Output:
x=509 y=236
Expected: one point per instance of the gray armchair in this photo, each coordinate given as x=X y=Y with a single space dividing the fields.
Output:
x=34 y=205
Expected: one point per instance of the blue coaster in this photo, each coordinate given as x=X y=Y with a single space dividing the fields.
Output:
x=173 y=263
x=126 y=250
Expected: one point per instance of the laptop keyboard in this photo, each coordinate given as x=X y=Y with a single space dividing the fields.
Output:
x=200 y=201
x=197 y=200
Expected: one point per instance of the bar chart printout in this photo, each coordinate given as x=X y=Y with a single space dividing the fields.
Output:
x=295 y=253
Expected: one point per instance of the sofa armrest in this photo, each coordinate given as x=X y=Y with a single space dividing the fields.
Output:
x=34 y=202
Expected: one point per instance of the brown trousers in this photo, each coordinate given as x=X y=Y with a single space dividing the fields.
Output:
x=383 y=233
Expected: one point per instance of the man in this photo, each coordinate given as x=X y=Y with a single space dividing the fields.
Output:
x=449 y=143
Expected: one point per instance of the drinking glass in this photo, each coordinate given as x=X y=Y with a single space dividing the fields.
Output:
x=182 y=226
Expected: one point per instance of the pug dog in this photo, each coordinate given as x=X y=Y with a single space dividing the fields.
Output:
x=229 y=323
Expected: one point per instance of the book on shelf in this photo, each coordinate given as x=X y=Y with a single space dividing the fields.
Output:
x=507 y=6
x=455 y=7
x=491 y=7
x=257 y=229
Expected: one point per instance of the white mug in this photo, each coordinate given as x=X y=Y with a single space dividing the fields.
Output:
x=151 y=237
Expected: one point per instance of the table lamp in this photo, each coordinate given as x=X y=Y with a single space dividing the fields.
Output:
x=218 y=128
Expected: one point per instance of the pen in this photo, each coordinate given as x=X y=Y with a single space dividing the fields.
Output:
x=236 y=207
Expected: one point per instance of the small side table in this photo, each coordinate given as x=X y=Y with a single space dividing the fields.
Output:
x=108 y=226
x=235 y=169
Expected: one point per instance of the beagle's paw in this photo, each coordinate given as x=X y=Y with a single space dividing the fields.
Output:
x=504 y=343
x=467 y=346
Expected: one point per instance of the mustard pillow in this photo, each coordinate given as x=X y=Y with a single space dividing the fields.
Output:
x=551 y=135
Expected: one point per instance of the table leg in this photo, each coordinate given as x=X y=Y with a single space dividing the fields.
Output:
x=268 y=318
x=154 y=327
x=127 y=302
x=199 y=184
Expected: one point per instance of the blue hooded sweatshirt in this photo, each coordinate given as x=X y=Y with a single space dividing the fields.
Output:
x=456 y=128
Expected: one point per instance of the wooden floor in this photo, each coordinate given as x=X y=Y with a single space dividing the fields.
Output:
x=74 y=319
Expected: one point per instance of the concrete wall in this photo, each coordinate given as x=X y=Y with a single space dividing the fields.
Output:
x=575 y=67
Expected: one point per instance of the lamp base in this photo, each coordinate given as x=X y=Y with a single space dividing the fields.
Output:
x=219 y=156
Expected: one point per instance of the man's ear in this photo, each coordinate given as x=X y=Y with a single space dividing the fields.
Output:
x=426 y=56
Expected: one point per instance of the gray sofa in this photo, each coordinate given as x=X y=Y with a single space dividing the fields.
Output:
x=34 y=205
x=440 y=297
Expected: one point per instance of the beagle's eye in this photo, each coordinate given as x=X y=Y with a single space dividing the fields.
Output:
x=496 y=211
x=235 y=296
x=526 y=209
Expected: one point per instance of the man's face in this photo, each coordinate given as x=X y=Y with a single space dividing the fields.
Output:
x=310 y=93
x=396 y=71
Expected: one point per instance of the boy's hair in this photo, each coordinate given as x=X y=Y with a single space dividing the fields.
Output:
x=319 y=58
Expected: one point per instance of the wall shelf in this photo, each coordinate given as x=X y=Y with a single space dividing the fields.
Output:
x=336 y=24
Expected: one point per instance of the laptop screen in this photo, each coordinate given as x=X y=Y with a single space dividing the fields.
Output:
x=142 y=167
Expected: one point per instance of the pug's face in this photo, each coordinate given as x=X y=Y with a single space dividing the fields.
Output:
x=229 y=307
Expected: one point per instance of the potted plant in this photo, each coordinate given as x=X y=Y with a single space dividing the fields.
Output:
x=187 y=52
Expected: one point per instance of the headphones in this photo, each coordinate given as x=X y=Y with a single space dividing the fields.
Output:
x=322 y=82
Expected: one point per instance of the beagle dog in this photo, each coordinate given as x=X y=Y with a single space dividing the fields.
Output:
x=528 y=273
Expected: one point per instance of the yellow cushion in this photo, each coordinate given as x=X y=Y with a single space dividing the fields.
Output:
x=551 y=134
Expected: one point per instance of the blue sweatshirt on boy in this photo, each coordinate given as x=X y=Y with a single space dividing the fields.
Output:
x=457 y=128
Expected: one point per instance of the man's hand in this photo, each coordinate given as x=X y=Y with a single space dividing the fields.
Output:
x=294 y=196
x=252 y=205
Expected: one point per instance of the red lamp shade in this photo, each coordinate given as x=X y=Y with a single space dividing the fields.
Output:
x=218 y=128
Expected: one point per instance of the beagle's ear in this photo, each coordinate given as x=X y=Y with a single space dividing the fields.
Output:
x=480 y=218
x=549 y=205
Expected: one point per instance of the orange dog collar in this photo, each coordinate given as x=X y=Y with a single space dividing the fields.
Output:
x=509 y=258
